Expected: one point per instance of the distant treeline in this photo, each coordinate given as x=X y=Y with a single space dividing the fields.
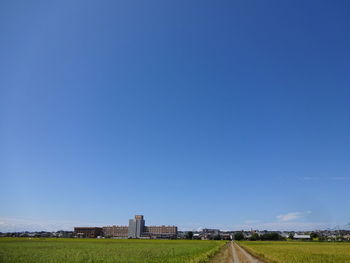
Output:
x=267 y=236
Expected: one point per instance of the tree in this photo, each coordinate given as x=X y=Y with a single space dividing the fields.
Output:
x=189 y=235
x=255 y=237
x=314 y=235
x=238 y=236
x=291 y=236
x=217 y=237
x=271 y=236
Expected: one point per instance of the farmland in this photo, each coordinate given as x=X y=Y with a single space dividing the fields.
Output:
x=18 y=250
x=299 y=252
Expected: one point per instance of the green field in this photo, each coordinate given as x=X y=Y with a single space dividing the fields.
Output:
x=299 y=252
x=105 y=250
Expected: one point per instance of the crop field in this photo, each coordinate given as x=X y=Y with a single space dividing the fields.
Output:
x=299 y=252
x=106 y=250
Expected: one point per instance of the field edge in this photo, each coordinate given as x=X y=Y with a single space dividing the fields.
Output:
x=259 y=256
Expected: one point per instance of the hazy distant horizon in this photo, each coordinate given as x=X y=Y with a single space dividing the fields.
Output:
x=35 y=224
x=223 y=114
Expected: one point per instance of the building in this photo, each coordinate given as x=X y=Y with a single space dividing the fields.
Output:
x=88 y=232
x=64 y=234
x=297 y=236
x=115 y=231
x=209 y=233
x=136 y=227
x=160 y=232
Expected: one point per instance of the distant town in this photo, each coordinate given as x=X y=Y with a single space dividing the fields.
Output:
x=137 y=229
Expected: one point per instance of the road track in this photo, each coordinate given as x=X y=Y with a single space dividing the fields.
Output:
x=242 y=256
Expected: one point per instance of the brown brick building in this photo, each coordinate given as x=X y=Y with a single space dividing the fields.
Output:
x=136 y=229
x=115 y=231
x=160 y=231
x=88 y=232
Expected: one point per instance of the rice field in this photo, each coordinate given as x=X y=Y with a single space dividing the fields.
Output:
x=299 y=252
x=25 y=250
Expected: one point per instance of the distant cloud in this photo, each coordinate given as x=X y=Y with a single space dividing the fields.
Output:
x=293 y=225
x=251 y=221
x=10 y=224
x=288 y=222
x=192 y=226
x=292 y=216
x=284 y=226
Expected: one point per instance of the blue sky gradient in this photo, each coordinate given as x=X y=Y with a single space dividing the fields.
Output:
x=228 y=114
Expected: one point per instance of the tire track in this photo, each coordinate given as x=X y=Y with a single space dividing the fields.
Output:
x=242 y=256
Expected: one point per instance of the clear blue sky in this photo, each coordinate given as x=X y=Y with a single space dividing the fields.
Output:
x=228 y=114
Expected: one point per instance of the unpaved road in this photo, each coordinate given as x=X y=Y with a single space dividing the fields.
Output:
x=241 y=256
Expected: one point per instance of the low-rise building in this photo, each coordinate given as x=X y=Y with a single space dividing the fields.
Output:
x=115 y=231
x=298 y=236
x=88 y=232
x=209 y=233
x=160 y=232
x=136 y=229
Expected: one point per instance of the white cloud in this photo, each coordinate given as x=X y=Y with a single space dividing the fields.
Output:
x=285 y=226
x=290 y=216
x=289 y=221
x=251 y=221
x=9 y=224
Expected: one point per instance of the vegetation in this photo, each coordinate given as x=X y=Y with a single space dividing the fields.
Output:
x=299 y=252
x=314 y=235
x=225 y=254
x=271 y=236
x=254 y=237
x=238 y=236
x=189 y=235
x=267 y=236
x=51 y=250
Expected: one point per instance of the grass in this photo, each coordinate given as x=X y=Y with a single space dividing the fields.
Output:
x=299 y=252
x=224 y=255
x=20 y=250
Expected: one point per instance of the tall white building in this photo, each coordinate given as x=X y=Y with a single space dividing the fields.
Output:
x=136 y=227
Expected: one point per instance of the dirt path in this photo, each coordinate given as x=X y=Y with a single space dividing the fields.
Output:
x=241 y=256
